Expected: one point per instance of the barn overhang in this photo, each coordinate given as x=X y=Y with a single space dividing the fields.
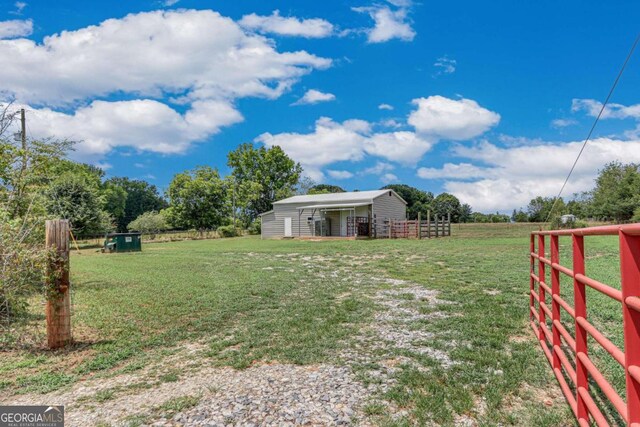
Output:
x=332 y=207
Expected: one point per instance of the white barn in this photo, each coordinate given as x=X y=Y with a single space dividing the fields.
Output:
x=350 y=214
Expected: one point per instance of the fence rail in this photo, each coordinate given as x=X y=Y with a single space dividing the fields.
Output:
x=417 y=228
x=554 y=337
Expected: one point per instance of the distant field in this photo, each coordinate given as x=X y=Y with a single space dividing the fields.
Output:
x=246 y=302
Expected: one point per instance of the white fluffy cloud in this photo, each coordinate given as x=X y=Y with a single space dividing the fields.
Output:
x=514 y=175
x=385 y=107
x=402 y=147
x=201 y=53
x=313 y=96
x=287 y=26
x=15 y=28
x=330 y=142
x=388 y=178
x=563 y=123
x=350 y=140
x=201 y=59
x=454 y=171
x=338 y=174
x=141 y=124
x=378 y=168
x=451 y=119
x=435 y=118
x=389 y=24
x=612 y=111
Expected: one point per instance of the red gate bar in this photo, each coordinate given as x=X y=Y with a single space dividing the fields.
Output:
x=556 y=339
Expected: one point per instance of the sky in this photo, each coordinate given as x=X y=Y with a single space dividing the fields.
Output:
x=487 y=100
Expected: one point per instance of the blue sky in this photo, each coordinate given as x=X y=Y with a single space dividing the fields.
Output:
x=487 y=100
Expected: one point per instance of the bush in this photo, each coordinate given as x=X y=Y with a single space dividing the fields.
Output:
x=149 y=223
x=228 y=231
x=557 y=224
x=22 y=269
x=255 y=227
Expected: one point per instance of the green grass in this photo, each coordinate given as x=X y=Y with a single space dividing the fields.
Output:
x=247 y=301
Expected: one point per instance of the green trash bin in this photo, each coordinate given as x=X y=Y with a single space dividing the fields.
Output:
x=122 y=242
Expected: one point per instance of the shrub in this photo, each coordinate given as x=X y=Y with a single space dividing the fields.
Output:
x=228 y=231
x=255 y=227
x=22 y=268
x=149 y=223
x=556 y=224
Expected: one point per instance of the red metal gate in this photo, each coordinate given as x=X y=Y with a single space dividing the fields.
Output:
x=577 y=366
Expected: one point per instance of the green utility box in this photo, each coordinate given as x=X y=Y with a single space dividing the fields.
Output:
x=122 y=242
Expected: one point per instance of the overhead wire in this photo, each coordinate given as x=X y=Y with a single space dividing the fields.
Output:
x=595 y=122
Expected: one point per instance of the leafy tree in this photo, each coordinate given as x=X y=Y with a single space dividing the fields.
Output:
x=141 y=197
x=540 y=208
x=115 y=200
x=75 y=198
x=240 y=195
x=276 y=173
x=149 y=223
x=418 y=201
x=325 y=189
x=446 y=203
x=198 y=199
x=465 y=213
x=520 y=216
x=25 y=173
x=617 y=192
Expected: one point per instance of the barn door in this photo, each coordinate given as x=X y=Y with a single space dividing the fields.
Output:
x=287 y=227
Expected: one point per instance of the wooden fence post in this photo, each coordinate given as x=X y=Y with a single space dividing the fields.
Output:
x=436 y=226
x=428 y=224
x=419 y=227
x=390 y=227
x=58 y=308
x=449 y=224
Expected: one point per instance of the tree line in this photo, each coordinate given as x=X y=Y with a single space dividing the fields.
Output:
x=614 y=198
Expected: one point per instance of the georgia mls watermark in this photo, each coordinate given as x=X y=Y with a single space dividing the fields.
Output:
x=31 y=416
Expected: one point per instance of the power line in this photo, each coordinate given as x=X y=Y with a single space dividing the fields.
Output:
x=595 y=122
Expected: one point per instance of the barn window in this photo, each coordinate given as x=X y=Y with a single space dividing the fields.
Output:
x=389 y=193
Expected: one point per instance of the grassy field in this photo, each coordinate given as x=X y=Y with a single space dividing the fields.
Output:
x=250 y=301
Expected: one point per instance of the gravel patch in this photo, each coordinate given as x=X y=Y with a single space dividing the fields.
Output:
x=265 y=395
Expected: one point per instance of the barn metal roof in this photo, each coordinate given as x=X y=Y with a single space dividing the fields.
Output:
x=347 y=197
x=335 y=206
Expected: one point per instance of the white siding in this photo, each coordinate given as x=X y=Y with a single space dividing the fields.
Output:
x=268 y=225
x=385 y=207
x=275 y=228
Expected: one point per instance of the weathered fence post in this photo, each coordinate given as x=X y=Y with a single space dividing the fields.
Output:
x=419 y=227
x=449 y=224
x=428 y=224
x=58 y=308
x=390 y=227
x=436 y=226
